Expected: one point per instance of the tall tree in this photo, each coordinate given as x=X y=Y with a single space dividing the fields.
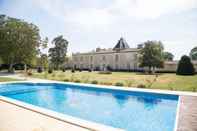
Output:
x=193 y=53
x=19 y=41
x=42 y=58
x=42 y=61
x=151 y=55
x=168 y=56
x=57 y=54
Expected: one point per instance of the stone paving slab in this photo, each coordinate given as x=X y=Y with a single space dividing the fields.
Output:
x=14 y=118
x=187 y=120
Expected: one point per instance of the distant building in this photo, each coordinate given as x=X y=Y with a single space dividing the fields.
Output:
x=121 y=57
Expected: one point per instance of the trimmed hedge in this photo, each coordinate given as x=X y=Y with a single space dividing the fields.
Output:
x=185 y=66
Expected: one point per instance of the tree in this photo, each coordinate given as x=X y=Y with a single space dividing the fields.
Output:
x=168 y=56
x=42 y=61
x=193 y=53
x=151 y=55
x=42 y=58
x=57 y=54
x=43 y=46
x=19 y=41
x=185 y=66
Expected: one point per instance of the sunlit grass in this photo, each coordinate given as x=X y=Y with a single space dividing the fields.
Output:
x=5 y=79
x=161 y=81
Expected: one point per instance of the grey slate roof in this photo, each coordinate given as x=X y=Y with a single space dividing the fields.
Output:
x=122 y=44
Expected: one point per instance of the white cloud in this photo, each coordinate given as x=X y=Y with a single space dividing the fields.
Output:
x=151 y=8
x=101 y=17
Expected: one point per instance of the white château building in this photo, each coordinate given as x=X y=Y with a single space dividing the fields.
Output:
x=121 y=57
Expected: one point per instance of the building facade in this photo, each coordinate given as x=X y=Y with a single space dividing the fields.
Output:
x=119 y=58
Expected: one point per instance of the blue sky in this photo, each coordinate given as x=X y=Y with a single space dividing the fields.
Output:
x=88 y=24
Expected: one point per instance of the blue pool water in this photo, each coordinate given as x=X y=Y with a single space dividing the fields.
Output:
x=132 y=111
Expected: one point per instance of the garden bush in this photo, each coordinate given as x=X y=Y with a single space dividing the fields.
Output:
x=77 y=81
x=119 y=84
x=106 y=83
x=141 y=86
x=29 y=73
x=94 y=82
x=50 y=71
x=63 y=70
x=185 y=66
x=39 y=70
x=73 y=70
x=105 y=72
x=66 y=80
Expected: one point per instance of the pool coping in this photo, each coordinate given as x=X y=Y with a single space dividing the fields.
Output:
x=85 y=123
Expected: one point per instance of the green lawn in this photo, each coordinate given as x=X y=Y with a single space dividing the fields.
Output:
x=5 y=79
x=162 y=81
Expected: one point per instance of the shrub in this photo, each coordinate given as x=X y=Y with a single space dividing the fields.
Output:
x=39 y=70
x=119 y=84
x=185 y=66
x=50 y=71
x=63 y=70
x=94 y=82
x=141 y=86
x=73 y=70
x=77 y=81
x=105 y=72
x=29 y=73
x=106 y=83
x=66 y=80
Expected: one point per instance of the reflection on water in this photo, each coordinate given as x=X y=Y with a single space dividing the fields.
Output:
x=149 y=103
x=121 y=99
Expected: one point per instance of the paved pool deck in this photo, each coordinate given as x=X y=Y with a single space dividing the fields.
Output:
x=15 y=118
x=187 y=120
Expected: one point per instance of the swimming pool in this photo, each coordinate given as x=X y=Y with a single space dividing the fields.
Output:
x=128 y=110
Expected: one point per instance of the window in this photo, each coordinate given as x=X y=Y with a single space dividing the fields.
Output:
x=75 y=59
x=135 y=57
x=81 y=58
x=91 y=58
x=103 y=58
x=116 y=58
